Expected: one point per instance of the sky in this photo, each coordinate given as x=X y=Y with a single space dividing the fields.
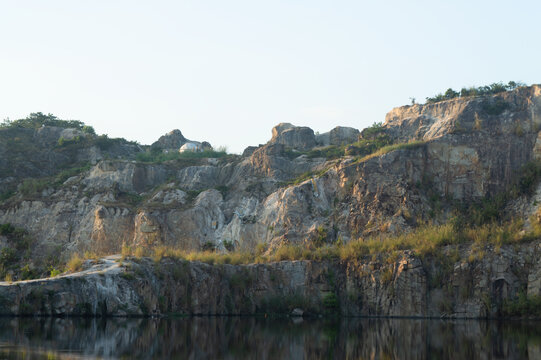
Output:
x=228 y=71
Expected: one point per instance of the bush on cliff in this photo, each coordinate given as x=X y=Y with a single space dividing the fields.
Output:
x=38 y=119
x=426 y=241
x=75 y=263
x=152 y=156
x=494 y=88
x=523 y=305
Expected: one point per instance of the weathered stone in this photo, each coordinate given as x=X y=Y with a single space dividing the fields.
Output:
x=173 y=140
x=276 y=195
x=340 y=135
x=366 y=287
x=300 y=138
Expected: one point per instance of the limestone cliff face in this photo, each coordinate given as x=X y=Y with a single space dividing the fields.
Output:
x=408 y=286
x=277 y=194
x=501 y=113
x=475 y=144
x=281 y=193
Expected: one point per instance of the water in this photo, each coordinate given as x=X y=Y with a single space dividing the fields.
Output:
x=260 y=338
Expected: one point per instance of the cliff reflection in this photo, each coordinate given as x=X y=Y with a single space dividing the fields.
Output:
x=259 y=338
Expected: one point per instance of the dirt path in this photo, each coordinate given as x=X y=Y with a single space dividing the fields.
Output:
x=109 y=264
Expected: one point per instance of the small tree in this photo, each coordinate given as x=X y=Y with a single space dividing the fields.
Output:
x=450 y=94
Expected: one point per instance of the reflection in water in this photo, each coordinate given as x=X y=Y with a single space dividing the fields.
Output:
x=259 y=338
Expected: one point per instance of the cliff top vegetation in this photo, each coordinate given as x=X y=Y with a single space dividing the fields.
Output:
x=494 y=88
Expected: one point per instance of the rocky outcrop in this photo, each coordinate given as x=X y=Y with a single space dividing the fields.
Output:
x=340 y=135
x=406 y=286
x=277 y=193
x=509 y=113
x=124 y=176
x=295 y=137
x=173 y=140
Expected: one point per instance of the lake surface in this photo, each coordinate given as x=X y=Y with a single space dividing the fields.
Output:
x=260 y=338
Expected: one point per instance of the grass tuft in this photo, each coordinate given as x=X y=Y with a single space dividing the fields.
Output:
x=75 y=263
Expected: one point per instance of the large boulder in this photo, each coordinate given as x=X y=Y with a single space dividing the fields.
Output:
x=49 y=135
x=172 y=140
x=297 y=137
x=281 y=127
x=340 y=135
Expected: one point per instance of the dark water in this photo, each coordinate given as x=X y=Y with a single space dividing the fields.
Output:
x=260 y=338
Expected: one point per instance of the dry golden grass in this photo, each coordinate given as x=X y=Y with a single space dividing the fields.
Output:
x=393 y=147
x=75 y=263
x=425 y=241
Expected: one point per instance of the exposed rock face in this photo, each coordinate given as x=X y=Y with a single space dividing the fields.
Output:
x=49 y=135
x=250 y=150
x=340 y=135
x=470 y=148
x=296 y=137
x=124 y=176
x=35 y=153
x=509 y=113
x=401 y=288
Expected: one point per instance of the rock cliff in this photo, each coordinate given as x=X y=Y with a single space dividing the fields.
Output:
x=280 y=192
x=406 y=286
x=74 y=191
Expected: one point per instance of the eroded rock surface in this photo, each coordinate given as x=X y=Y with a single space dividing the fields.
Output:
x=403 y=287
x=278 y=193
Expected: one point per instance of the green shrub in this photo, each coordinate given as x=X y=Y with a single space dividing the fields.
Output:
x=69 y=142
x=105 y=143
x=6 y=229
x=88 y=130
x=127 y=275
x=34 y=186
x=37 y=120
x=155 y=155
x=53 y=272
x=241 y=280
x=495 y=107
x=373 y=131
x=523 y=305
x=494 y=88
x=329 y=152
x=223 y=190
x=229 y=245
x=373 y=138
x=321 y=236
x=26 y=273
x=330 y=301
x=131 y=199
x=6 y=195
x=8 y=256
x=490 y=209
x=208 y=246
x=65 y=174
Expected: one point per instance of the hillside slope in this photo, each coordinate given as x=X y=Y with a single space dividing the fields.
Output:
x=299 y=187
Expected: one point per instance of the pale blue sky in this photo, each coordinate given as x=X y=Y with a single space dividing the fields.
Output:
x=227 y=71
